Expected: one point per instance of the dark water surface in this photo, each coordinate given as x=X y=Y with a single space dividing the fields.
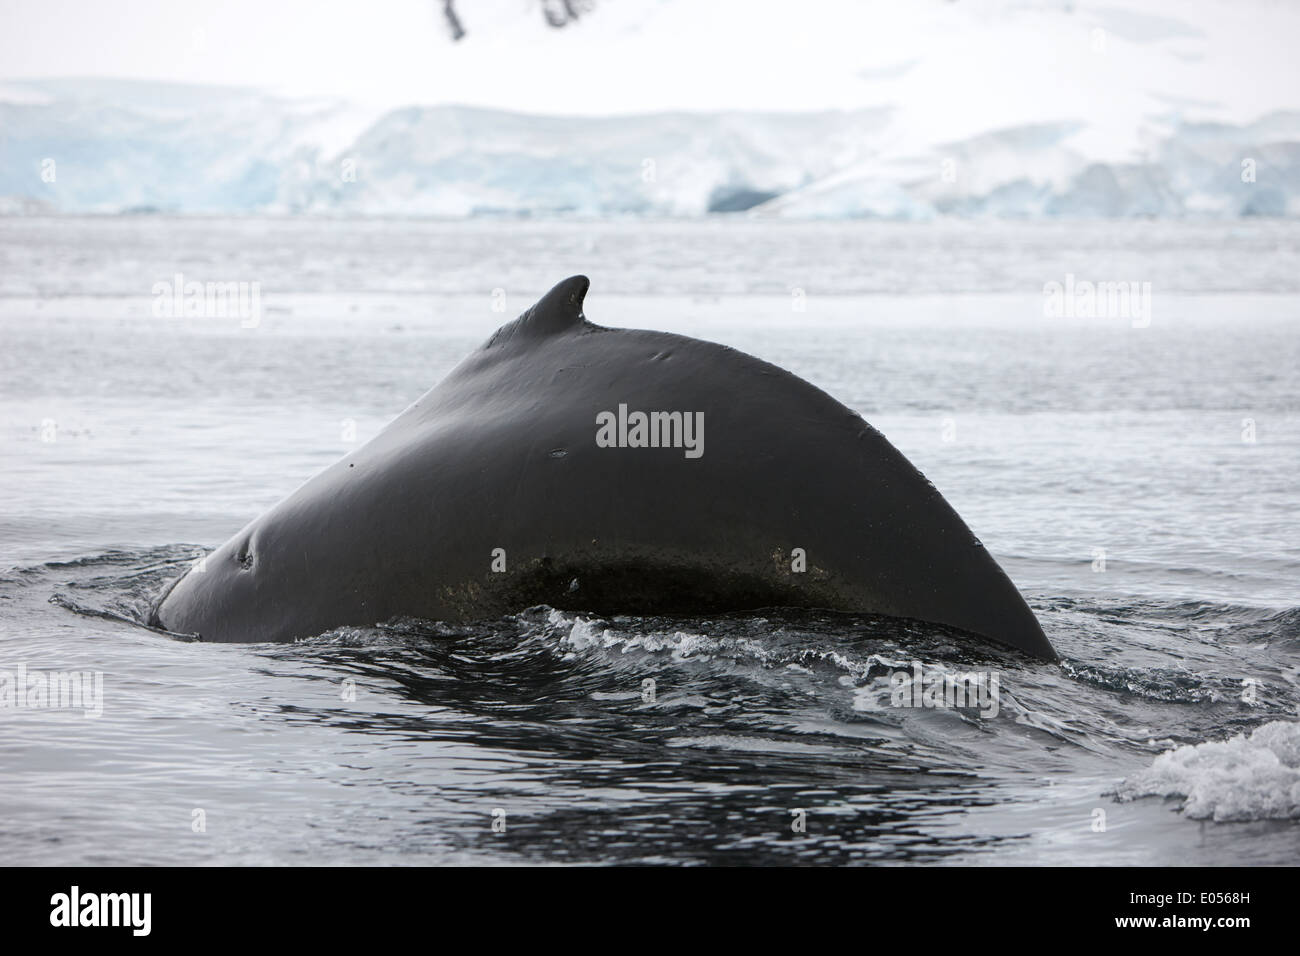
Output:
x=1138 y=483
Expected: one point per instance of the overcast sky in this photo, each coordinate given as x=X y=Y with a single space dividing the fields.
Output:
x=949 y=65
x=391 y=52
x=300 y=46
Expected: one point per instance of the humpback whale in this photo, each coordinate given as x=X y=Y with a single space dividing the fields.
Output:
x=610 y=471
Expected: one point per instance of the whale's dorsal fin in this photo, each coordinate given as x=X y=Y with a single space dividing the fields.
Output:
x=558 y=309
x=553 y=313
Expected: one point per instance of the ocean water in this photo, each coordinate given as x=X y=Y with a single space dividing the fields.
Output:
x=1136 y=476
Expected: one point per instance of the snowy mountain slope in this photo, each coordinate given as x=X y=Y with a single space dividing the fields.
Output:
x=979 y=108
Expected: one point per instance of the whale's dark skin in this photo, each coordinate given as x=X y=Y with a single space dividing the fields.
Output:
x=502 y=454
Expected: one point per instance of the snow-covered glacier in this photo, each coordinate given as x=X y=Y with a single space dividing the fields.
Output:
x=988 y=108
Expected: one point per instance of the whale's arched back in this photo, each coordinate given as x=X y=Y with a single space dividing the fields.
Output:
x=527 y=477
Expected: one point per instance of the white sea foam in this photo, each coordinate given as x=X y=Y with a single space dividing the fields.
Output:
x=1255 y=777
